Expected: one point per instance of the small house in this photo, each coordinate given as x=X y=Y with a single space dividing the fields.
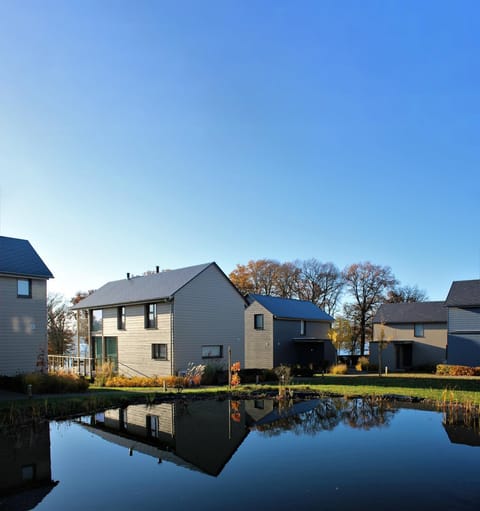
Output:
x=286 y=331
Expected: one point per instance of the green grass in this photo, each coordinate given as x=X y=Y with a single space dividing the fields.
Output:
x=462 y=390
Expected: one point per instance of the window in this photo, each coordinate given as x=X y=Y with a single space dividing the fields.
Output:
x=212 y=351
x=418 y=330
x=153 y=426
x=159 y=351
x=151 y=315
x=302 y=327
x=258 y=321
x=24 y=288
x=96 y=320
x=121 y=318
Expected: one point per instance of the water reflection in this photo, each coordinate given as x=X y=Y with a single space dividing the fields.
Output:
x=201 y=435
x=25 y=467
x=313 y=417
x=462 y=426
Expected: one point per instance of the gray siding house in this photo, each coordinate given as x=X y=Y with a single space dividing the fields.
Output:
x=417 y=333
x=155 y=325
x=286 y=331
x=463 y=303
x=23 y=308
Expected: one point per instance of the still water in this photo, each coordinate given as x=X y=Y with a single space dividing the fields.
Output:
x=328 y=454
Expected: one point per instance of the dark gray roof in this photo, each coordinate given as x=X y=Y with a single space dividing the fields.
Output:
x=464 y=293
x=415 y=312
x=291 y=309
x=18 y=257
x=142 y=289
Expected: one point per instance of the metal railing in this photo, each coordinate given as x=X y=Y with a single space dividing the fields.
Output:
x=82 y=366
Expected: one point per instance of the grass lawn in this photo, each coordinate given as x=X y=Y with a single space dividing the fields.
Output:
x=440 y=389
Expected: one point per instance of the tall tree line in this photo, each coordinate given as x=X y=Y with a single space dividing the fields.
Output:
x=365 y=286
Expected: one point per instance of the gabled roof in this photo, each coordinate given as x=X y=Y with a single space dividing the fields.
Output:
x=146 y=288
x=18 y=258
x=464 y=293
x=415 y=312
x=288 y=308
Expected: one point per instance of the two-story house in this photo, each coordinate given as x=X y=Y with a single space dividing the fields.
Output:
x=415 y=335
x=23 y=308
x=463 y=303
x=286 y=331
x=158 y=324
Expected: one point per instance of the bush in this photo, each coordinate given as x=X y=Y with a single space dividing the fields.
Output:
x=144 y=381
x=339 y=369
x=42 y=383
x=210 y=374
x=283 y=373
x=362 y=364
x=457 y=370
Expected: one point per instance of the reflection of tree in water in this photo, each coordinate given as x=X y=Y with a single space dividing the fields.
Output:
x=362 y=413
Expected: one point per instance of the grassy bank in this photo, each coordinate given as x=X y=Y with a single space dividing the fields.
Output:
x=436 y=389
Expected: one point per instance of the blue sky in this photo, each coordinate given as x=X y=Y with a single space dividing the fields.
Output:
x=172 y=133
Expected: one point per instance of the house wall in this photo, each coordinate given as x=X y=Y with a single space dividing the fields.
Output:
x=258 y=343
x=427 y=350
x=135 y=342
x=23 y=327
x=208 y=311
x=464 y=336
x=286 y=351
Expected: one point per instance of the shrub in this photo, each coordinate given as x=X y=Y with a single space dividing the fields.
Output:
x=339 y=369
x=283 y=373
x=457 y=370
x=210 y=374
x=58 y=383
x=145 y=381
x=103 y=373
x=362 y=364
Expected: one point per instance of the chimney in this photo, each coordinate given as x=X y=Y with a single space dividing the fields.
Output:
x=158 y=269
x=128 y=276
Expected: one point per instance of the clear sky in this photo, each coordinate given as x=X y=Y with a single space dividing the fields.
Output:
x=173 y=133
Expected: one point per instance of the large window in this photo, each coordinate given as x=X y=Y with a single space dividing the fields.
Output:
x=96 y=320
x=418 y=330
x=121 y=318
x=151 y=315
x=214 y=351
x=24 y=288
x=258 y=321
x=159 y=352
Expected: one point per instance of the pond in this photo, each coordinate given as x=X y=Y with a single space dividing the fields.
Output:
x=245 y=455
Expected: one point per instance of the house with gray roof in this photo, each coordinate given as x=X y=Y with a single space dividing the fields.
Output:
x=23 y=308
x=157 y=324
x=286 y=331
x=416 y=334
x=463 y=304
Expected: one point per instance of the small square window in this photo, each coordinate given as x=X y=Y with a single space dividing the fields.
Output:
x=151 y=315
x=258 y=321
x=159 y=351
x=212 y=351
x=24 y=288
x=418 y=330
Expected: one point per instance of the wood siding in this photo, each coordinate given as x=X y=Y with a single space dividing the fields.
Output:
x=135 y=342
x=287 y=351
x=23 y=327
x=258 y=343
x=207 y=311
x=464 y=336
x=428 y=350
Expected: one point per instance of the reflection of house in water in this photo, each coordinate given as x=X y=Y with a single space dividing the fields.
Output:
x=25 y=467
x=201 y=435
x=462 y=429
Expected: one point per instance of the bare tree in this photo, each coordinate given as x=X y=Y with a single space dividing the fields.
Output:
x=320 y=283
x=59 y=326
x=400 y=294
x=368 y=284
x=287 y=280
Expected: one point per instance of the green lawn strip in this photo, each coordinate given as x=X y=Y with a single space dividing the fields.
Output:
x=444 y=389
